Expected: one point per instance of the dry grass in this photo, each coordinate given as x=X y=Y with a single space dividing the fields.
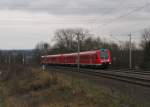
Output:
x=34 y=88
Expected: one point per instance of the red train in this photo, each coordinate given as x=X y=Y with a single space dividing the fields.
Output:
x=95 y=58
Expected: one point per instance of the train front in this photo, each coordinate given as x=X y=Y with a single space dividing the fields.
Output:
x=105 y=57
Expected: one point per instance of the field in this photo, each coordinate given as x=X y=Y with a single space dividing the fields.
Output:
x=22 y=86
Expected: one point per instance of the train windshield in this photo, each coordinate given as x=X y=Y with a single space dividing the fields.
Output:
x=104 y=54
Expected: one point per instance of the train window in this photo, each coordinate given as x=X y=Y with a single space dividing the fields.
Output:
x=103 y=54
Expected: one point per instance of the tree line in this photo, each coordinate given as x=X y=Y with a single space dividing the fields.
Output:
x=66 y=42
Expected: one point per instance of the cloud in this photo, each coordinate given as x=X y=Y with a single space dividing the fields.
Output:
x=32 y=21
x=21 y=29
x=72 y=6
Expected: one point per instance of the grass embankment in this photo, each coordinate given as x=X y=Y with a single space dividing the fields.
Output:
x=33 y=88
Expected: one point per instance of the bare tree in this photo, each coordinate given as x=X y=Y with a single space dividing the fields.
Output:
x=146 y=35
x=145 y=38
x=43 y=47
x=66 y=39
x=146 y=48
x=126 y=46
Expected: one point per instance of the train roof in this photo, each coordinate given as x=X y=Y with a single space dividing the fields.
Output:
x=70 y=54
x=85 y=52
x=51 y=55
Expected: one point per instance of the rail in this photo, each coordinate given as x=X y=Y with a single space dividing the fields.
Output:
x=126 y=75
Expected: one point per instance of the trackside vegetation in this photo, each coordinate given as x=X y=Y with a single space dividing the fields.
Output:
x=31 y=87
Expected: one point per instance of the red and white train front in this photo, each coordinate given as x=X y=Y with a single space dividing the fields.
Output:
x=105 y=58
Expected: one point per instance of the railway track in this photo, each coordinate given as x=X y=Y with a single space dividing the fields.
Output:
x=126 y=75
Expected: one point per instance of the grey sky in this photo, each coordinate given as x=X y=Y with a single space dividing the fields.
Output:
x=24 y=23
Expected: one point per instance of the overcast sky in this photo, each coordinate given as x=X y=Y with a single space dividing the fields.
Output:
x=24 y=23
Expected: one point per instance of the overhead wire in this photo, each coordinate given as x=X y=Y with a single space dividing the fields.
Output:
x=124 y=15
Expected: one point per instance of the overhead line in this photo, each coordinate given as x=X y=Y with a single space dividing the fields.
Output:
x=127 y=14
x=124 y=15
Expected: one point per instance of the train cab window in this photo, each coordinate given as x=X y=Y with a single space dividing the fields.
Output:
x=103 y=54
